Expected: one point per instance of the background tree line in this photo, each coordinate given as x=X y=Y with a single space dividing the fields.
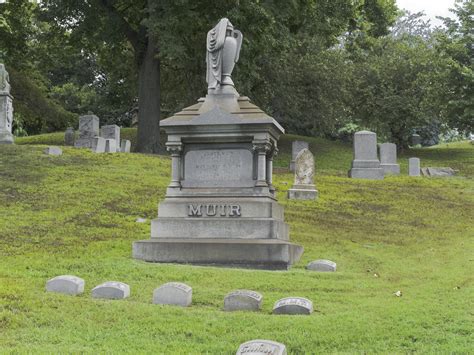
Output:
x=320 y=67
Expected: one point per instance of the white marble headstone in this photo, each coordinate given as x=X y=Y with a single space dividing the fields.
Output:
x=243 y=300
x=173 y=293
x=53 y=150
x=293 y=305
x=322 y=265
x=414 y=167
x=67 y=284
x=261 y=347
x=111 y=290
x=125 y=146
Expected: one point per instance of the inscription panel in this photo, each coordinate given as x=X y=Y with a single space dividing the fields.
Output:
x=218 y=168
x=214 y=210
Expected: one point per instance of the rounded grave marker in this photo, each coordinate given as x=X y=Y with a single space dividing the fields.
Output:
x=174 y=293
x=243 y=300
x=293 y=305
x=113 y=290
x=322 y=265
x=261 y=347
x=67 y=284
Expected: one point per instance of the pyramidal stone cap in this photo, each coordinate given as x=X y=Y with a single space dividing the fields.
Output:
x=293 y=305
x=322 y=265
x=173 y=293
x=66 y=284
x=113 y=290
x=243 y=300
x=261 y=347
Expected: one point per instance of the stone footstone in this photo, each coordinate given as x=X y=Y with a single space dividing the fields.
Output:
x=293 y=305
x=67 y=284
x=113 y=290
x=414 y=167
x=110 y=146
x=173 y=293
x=261 y=347
x=388 y=159
x=125 y=146
x=322 y=265
x=296 y=147
x=98 y=145
x=53 y=151
x=243 y=300
x=366 y=164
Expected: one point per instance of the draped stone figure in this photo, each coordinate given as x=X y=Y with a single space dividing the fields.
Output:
x=223 y=48
x=6 y=107
x=4 y=79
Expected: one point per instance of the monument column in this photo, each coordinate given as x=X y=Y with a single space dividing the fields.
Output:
x=175 y=149
x=269 y=171
x=262 y=148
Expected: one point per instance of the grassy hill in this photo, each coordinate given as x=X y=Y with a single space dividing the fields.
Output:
x=75 y=214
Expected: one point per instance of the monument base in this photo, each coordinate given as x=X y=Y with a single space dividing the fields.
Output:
x=302 y=192
x=366 y=173
x=6 y=137
x=393 y=169
x=270 y=254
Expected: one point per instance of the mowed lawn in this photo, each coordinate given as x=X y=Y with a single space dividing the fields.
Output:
x=76 y=214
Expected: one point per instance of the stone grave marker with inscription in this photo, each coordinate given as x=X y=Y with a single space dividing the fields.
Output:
x=6 y=108
x=67 y=284
x=322 y=265
x=220 y=206
x=112 y=290
x=110 y=146
x=88 y=131
x=125 y=146
x=111 y=132
x=69 y=136
x=414 y=167
x=98 y=145
x=366 y=164
x=243 y=300
x=388 y=159
x=303 y=188
x=296 y=147
x=173 y=293
x=293 y=305
x=261 y=347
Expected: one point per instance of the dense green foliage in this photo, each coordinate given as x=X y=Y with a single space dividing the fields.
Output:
x=75 y=214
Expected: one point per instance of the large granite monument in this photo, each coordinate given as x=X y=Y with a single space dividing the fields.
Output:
x=6 y=108
x=220 y=206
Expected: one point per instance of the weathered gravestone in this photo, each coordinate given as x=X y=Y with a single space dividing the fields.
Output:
x=220 y=207
x=67 y=284
x=69 y=136
x=415 y=139
x=438 y=172
x=261 y=347
x=296 y=147
x=414 y=167
x=125 y=146
x=366 y=164
x=173 y=293
x=53 y=150
x=243 y=300
x=88 y=131
x=98 y=145
x=113 y=290
x=111 y=132
x=303 y=188
x=110 y=146
x=322 y=265
x=6 y=108
x=388 y=159
x=293 y=305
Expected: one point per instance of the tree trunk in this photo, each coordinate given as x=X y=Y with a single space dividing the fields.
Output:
x=148 y=135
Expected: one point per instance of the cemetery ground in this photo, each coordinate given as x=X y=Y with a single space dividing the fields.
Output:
x=76 y=214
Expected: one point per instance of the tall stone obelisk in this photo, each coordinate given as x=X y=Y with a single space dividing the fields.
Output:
x=6 y=108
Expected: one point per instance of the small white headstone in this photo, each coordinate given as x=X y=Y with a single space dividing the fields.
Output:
x=296 y=147
x=322 y=265
x=125 y=146
x=414 y=167
x=53 y=151
x=293 y=305
x=67 y=284
x=98 y=145
x=174 y=293
x=303 y=188
x=388 y=158
x=243 y=300
x=111 y=290
x=261 y=347
x=110 y=146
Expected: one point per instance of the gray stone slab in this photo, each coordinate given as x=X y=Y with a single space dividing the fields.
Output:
x=293 y=305
x=415 y=139
x=367 y=173
x=414 y=167
x=110 y=132
x=84 y=143
x=67 y=284
x=88 y=126
x=69 y=136
x=125 y=146
x=243 y=300
x=110 y=146
x=113 y=290
x=296 y=147
x=322 y=265
x=261 y=347
x=98 y=145
x=303 y=188
x=366 y=164
x=388 y=159
x=440 y=172
x=6 y=110
x=173 y=293
x=53 y=150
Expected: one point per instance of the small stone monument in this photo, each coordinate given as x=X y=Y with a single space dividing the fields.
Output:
x=173 y=293
x=414 y=167
x=53 y=150
x=388 y=159
x=220 y=206
x=125 y=146
x=98 y=145
x=366 y=164
x=112 y=290
x=67 y=284
x=243 y=300
x=110 y=146
x=296 y=147
x=69 y=136
x=111 y=132
x=293 y=305
x=88 y=131
x=415 y=140
x=303 y=188
x=261 y=347
x=6 y=108
x=322 y=265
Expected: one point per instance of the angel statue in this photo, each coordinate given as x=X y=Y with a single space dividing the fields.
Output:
x=4 y=79
x=223 y=48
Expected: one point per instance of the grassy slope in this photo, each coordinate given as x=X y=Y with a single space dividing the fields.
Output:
x=75 y=214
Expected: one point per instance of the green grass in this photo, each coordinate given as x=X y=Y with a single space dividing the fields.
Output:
x=75 y=214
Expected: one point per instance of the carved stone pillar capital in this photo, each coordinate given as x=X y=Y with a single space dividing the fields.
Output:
x=262 y=147
x=174 y=148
